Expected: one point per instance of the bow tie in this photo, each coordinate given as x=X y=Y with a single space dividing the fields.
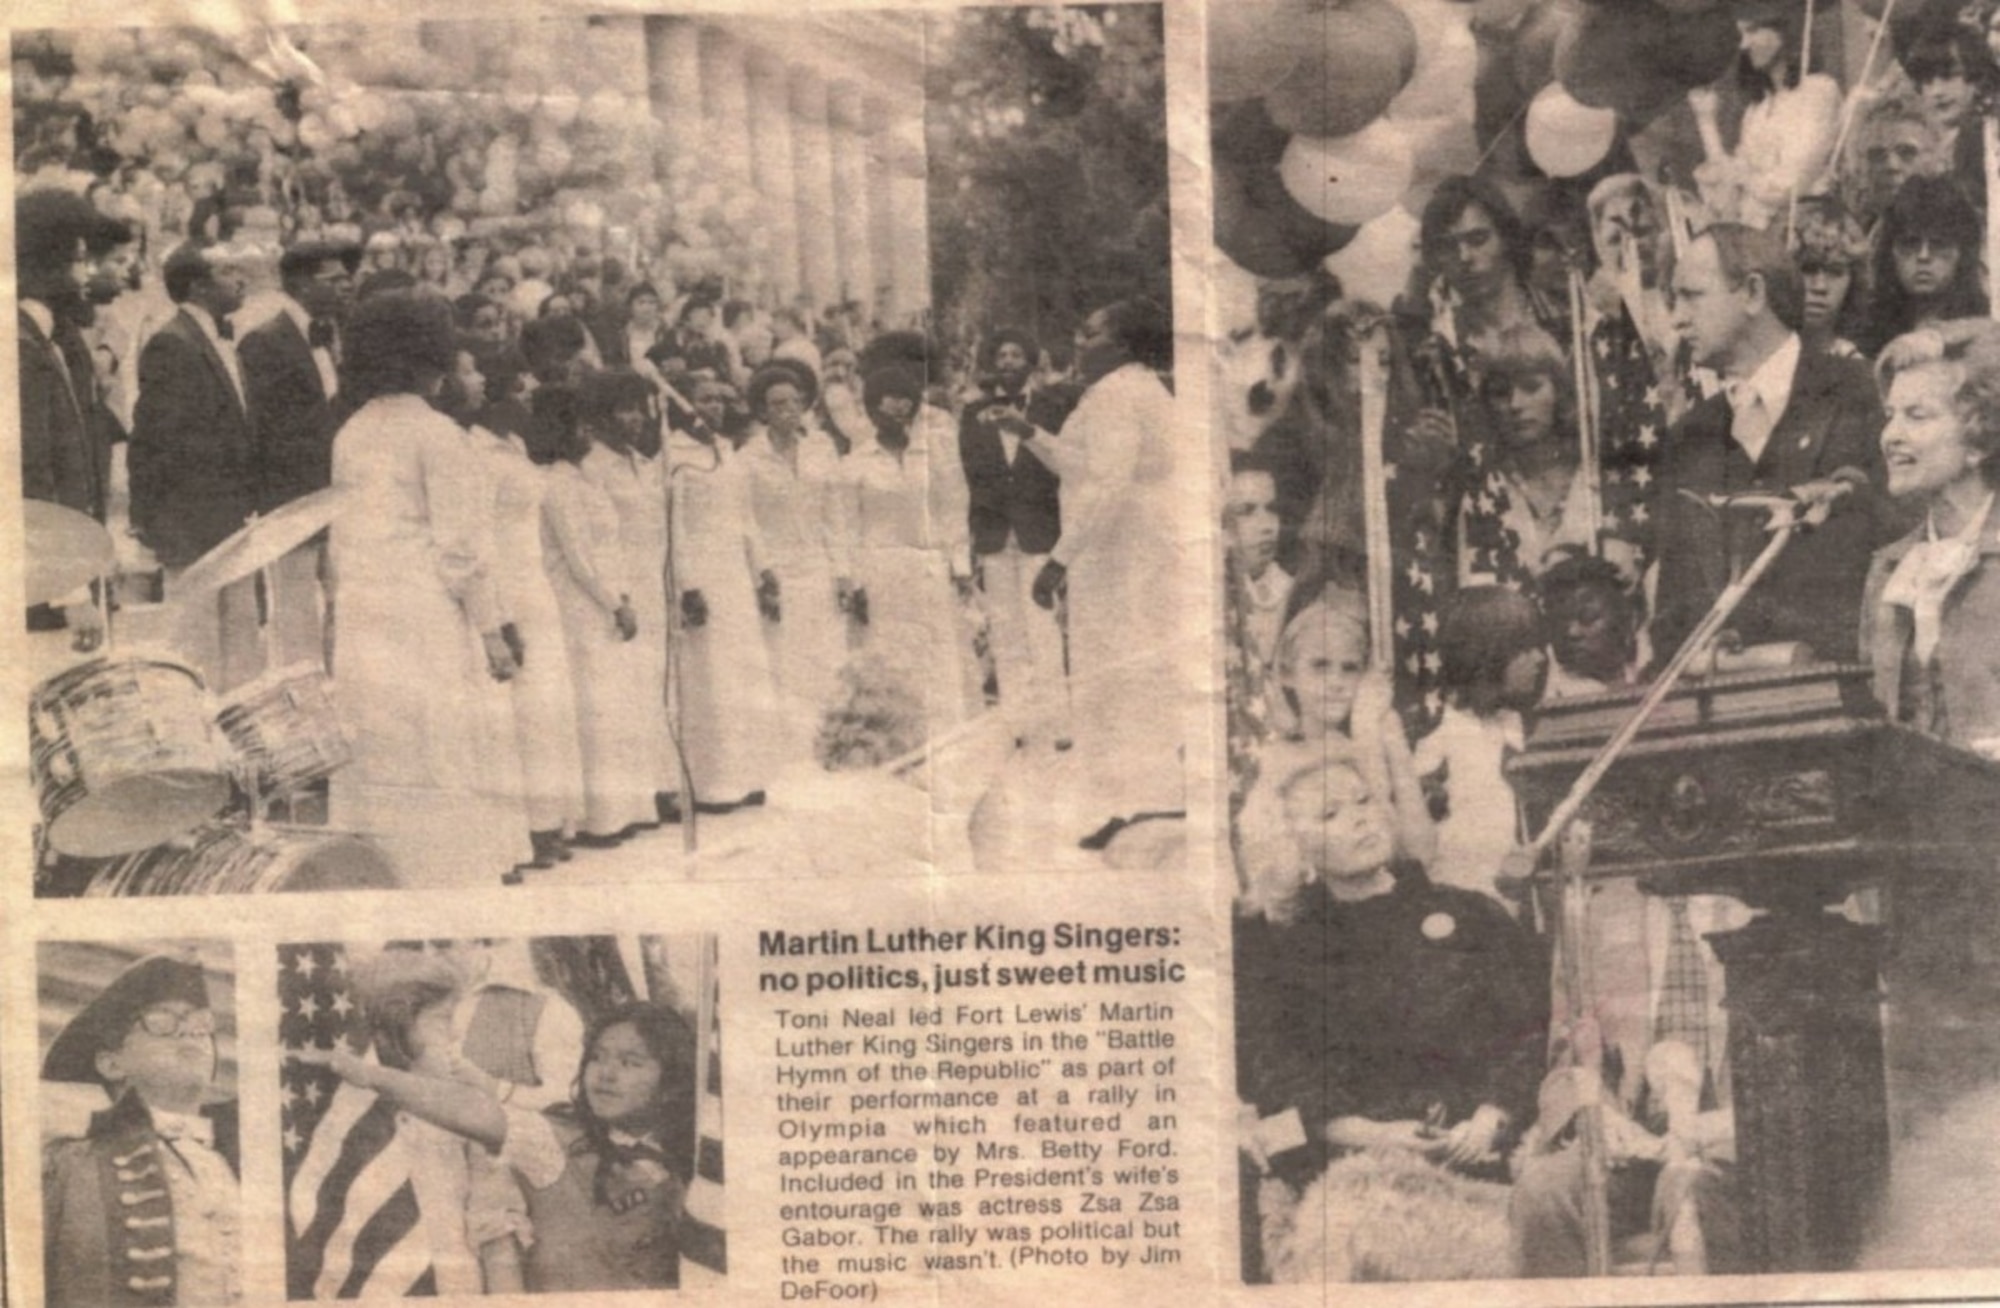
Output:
x=176 y=1126
x=320 y=335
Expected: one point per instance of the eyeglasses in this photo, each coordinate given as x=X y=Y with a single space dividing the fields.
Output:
x=1910 y=246
x=167 y=1022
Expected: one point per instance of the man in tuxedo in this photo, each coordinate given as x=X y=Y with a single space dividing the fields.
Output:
x=1786 y=421
x=1015 y=517
x=59 y=461
x=193 y=469
x=291 y=381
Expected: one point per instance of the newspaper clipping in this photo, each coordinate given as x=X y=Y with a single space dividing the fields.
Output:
x=1002 y=653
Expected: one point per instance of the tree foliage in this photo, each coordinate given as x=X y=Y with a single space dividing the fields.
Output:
x=1046 y=135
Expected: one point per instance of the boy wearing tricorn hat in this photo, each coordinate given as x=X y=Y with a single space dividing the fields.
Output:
x=143 y=1210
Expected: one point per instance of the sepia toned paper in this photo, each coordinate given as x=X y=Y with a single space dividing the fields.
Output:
x=935 y=1048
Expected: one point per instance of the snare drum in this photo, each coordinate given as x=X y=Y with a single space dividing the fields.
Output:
x=123 y=756
x=227 y=858
x=285 y=729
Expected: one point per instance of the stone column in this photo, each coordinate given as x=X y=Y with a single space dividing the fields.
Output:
x=725 y=84
x=673 y=49
x=812 y=160
x=899 y=207
x=852 y=247
x=772 y=169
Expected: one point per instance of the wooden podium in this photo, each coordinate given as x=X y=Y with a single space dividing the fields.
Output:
x=1788 y=790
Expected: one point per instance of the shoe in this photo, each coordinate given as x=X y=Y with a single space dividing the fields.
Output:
x=588 y=840
x=668 y=806
x=563 y=851
x=755 y=799
x=546 y=845
x=513 y=878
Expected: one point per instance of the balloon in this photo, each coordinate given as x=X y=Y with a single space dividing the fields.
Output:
x=1535 y=43
x=1439 y=148
x=1244 y=134
x=1348 y=179
x=1638 y=61
x=1357 y=58
x=1376 y=267
x=1447 y=60
x=1252 y=45
x=1263 y=230
x=1567 y=139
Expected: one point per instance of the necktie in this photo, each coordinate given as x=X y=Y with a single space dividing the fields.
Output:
x=320 y=335
x=1749 y=424
x=1683 y=1009
x=225 y=329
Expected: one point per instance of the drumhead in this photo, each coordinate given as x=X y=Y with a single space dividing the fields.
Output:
x=137 y=812
x=226 y=858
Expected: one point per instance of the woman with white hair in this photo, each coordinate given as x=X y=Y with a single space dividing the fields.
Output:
x=1931 y=616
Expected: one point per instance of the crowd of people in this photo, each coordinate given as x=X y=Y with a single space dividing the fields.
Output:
x=603 y=548
x=1596 y=390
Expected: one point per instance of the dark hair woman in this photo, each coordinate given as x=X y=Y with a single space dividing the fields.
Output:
x=1927 y=261
x=604 y=1177
x=435 y=774
x=543 y=694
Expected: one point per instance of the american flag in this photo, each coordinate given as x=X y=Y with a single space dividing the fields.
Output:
x=1424 y=545
x=352 y=1225
x=1632 y=429
x=704 y=1245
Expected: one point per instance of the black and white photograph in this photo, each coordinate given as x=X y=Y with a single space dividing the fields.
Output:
x=600 y=448
x=1608 y=390
x=141 y=1202
x=479 y=1116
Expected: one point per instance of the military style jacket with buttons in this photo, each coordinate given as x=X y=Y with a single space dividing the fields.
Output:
x=108 y=1219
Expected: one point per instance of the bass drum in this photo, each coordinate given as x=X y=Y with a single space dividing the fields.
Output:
x=124 y=756
x=229 y=858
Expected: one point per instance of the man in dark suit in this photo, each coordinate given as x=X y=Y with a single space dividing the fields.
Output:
x=192 y=460
x=1788 y=421
x=291 y=379
x=62 y=459
x=1016 y=517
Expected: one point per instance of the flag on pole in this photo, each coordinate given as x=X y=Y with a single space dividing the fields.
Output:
x=704 y=1253
x=353 y=1227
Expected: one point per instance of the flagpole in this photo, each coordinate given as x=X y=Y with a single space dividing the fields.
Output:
x=1590 y=457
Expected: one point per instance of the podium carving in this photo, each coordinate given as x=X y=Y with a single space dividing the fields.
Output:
x=1787 y=790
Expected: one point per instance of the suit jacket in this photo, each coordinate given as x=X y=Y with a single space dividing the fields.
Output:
x=291 y=413
x=1831 y=423
x=1958 y=697
x=192 y=461
x=1023 y=500
x=59 y=461
x=109 y=1238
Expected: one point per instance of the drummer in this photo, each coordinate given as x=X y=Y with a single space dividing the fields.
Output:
x=144 y=1207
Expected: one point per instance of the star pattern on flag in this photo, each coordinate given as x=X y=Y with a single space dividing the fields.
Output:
x=315 y=1012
